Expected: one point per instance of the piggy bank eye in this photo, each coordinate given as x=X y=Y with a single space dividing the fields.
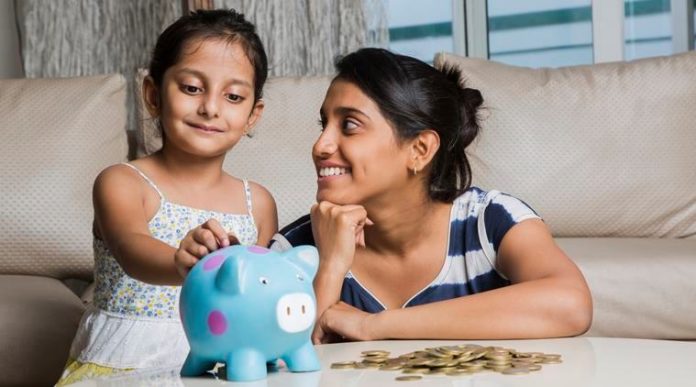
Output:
x=300 y=277
x=263 y=280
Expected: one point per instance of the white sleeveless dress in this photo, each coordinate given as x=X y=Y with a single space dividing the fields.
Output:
x=135 y=325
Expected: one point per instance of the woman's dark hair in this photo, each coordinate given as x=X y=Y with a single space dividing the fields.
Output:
x=414 y=96
x=227 y=25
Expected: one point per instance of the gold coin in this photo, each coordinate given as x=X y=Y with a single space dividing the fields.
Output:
x=374 y=359
x=376 y=352
x=343 y=365
x=551 y=361
x=408 y=378
x=391 y=367
x=458 y=372
x=415 y=370
x=515 y=371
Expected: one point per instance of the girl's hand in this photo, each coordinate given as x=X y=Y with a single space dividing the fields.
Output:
x=199 y=242
x=337 y=229
x=344 y=322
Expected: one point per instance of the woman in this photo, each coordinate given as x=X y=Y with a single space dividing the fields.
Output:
x=399 y=229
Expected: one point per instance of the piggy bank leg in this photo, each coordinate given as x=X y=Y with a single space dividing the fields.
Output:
x=245 y=365
x=303 y=359
x=195 y=365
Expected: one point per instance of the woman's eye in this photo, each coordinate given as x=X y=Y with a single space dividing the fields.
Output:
x=321 y=123
x=349 y=125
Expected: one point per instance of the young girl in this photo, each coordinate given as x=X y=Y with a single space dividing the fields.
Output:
x=204 y=88
x=407 y=248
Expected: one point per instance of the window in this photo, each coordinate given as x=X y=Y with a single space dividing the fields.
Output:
x=542 y=33
x=420 y=28
x=547 y=33
x=647 y=28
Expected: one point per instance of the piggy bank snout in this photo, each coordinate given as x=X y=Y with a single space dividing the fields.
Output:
x=295 y=312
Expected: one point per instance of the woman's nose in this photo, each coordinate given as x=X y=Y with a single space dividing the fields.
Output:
x=325 y=145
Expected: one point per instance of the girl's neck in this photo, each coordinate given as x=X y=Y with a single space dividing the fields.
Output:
x=202 y=172
x=400 y=227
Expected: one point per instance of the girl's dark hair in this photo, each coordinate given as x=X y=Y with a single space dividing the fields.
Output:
x=414 y=96
x=228 y=25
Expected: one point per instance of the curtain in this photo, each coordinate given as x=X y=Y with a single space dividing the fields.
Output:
x=304 y=37
x=68 y=38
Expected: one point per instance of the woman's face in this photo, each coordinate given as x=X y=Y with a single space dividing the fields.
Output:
x=357 y=156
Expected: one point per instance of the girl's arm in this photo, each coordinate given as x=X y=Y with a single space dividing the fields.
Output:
x=548 y=298
x=120 y=220
x=265 y=214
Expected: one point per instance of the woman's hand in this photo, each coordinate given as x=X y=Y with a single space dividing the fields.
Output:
x=199 y=242
x=337 y=229
x=344 y=322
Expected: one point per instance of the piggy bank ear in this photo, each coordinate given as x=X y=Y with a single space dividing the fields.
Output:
x=306 y=258
x=230 y=277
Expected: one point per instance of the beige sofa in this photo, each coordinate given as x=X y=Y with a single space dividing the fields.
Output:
x=606 y=154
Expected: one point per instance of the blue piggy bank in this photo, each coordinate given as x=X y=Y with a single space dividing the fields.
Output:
x=245 y=306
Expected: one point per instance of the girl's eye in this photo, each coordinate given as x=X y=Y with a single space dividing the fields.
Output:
x=321 y=123
x=234 y=97
x=191 y=89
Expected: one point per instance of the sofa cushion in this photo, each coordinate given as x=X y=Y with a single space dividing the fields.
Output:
x=600 y=150
x=55 y=137
x=39 y=317
x=641 y=287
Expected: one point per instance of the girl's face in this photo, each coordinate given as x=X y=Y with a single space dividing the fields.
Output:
x=357 y=156
x=208 y=98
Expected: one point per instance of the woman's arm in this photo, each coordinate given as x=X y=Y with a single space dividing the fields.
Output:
x=548 y=297
x=336 y=229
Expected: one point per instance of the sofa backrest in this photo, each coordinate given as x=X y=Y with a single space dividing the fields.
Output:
x=56 y=135
x=279 y=155
x=606 y=150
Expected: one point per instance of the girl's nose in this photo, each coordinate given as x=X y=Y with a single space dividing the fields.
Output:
x=208 y=107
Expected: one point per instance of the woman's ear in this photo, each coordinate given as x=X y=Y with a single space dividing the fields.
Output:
x=151 y=96
x=423 y=149
x=255 y=114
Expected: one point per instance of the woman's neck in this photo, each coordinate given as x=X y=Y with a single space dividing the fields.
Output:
x=400 y=227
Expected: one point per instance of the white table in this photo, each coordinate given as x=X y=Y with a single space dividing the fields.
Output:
x=586 y=362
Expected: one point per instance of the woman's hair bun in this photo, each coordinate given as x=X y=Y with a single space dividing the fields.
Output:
x=471 y=98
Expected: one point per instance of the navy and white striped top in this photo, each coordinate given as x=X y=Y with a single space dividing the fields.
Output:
x=469 y=267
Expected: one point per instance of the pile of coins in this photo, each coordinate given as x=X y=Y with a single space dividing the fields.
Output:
x=455 y=360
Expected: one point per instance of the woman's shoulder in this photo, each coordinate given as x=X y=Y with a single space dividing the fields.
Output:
x=296 y=233
x=494 y=202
